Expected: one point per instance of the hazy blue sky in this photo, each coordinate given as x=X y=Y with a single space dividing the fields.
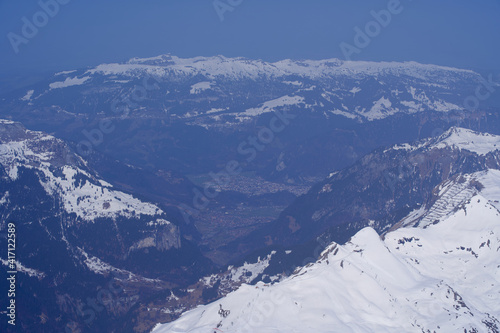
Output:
x=460 y=33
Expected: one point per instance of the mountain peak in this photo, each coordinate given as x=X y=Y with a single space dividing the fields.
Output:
x=462 y=138
x=457 y=138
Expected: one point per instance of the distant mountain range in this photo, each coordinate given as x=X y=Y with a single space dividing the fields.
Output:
x=169 y=106
x=204 y=91
x=117 y=169
x=185 y=119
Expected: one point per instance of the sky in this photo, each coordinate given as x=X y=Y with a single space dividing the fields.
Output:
x=83 y=33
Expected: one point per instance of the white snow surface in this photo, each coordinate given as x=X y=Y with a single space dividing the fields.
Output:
x=4 y=197
x=235 y=68
x=458 y=138
x=294 y=83
x=444 y=278
x=380 y=109
x=490 y=180
x=75 y=81
x=28 y=95
x=343 y=113
x=88 y=199
x=249 y=271
x=65 y=72
x=241 y=274
x=456 y=193
x=20 y=268
x=355 y=90
x=271 y=106
x=98 y=266
x=200 y=87
x=461 y=138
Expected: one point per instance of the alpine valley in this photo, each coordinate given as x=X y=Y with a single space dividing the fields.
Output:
x=217 y=194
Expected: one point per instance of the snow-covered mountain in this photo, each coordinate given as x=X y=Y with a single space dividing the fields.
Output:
x=75 y=232
x=169 y=119
x=211 y=87
x=234 y=68
x=382 y=189
x=439 y=277
x=65 y=176
x=157 y=103
x=459 y=138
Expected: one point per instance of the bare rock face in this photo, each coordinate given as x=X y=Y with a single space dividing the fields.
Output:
x=168 y=238
x=165 y=236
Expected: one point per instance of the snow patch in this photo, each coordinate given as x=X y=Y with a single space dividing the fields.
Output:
x=75 y=81
x=355 y=90
x=461 y=138
x=200 y=87
x=380 y=109
x=28 y=95
x=31 y=272
x=270 y=106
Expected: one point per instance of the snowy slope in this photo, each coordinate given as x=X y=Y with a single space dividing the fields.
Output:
x=455 y=193
x=77 y=234
x=458 y=138
x=461 y=138
x=413 y=87
x=442 y=278
x=79 y=191
x=360 y=90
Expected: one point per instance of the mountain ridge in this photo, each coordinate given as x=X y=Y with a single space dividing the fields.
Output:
x=281 y=68
x=76 y=232
x=378 y=190
x=430 y=278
